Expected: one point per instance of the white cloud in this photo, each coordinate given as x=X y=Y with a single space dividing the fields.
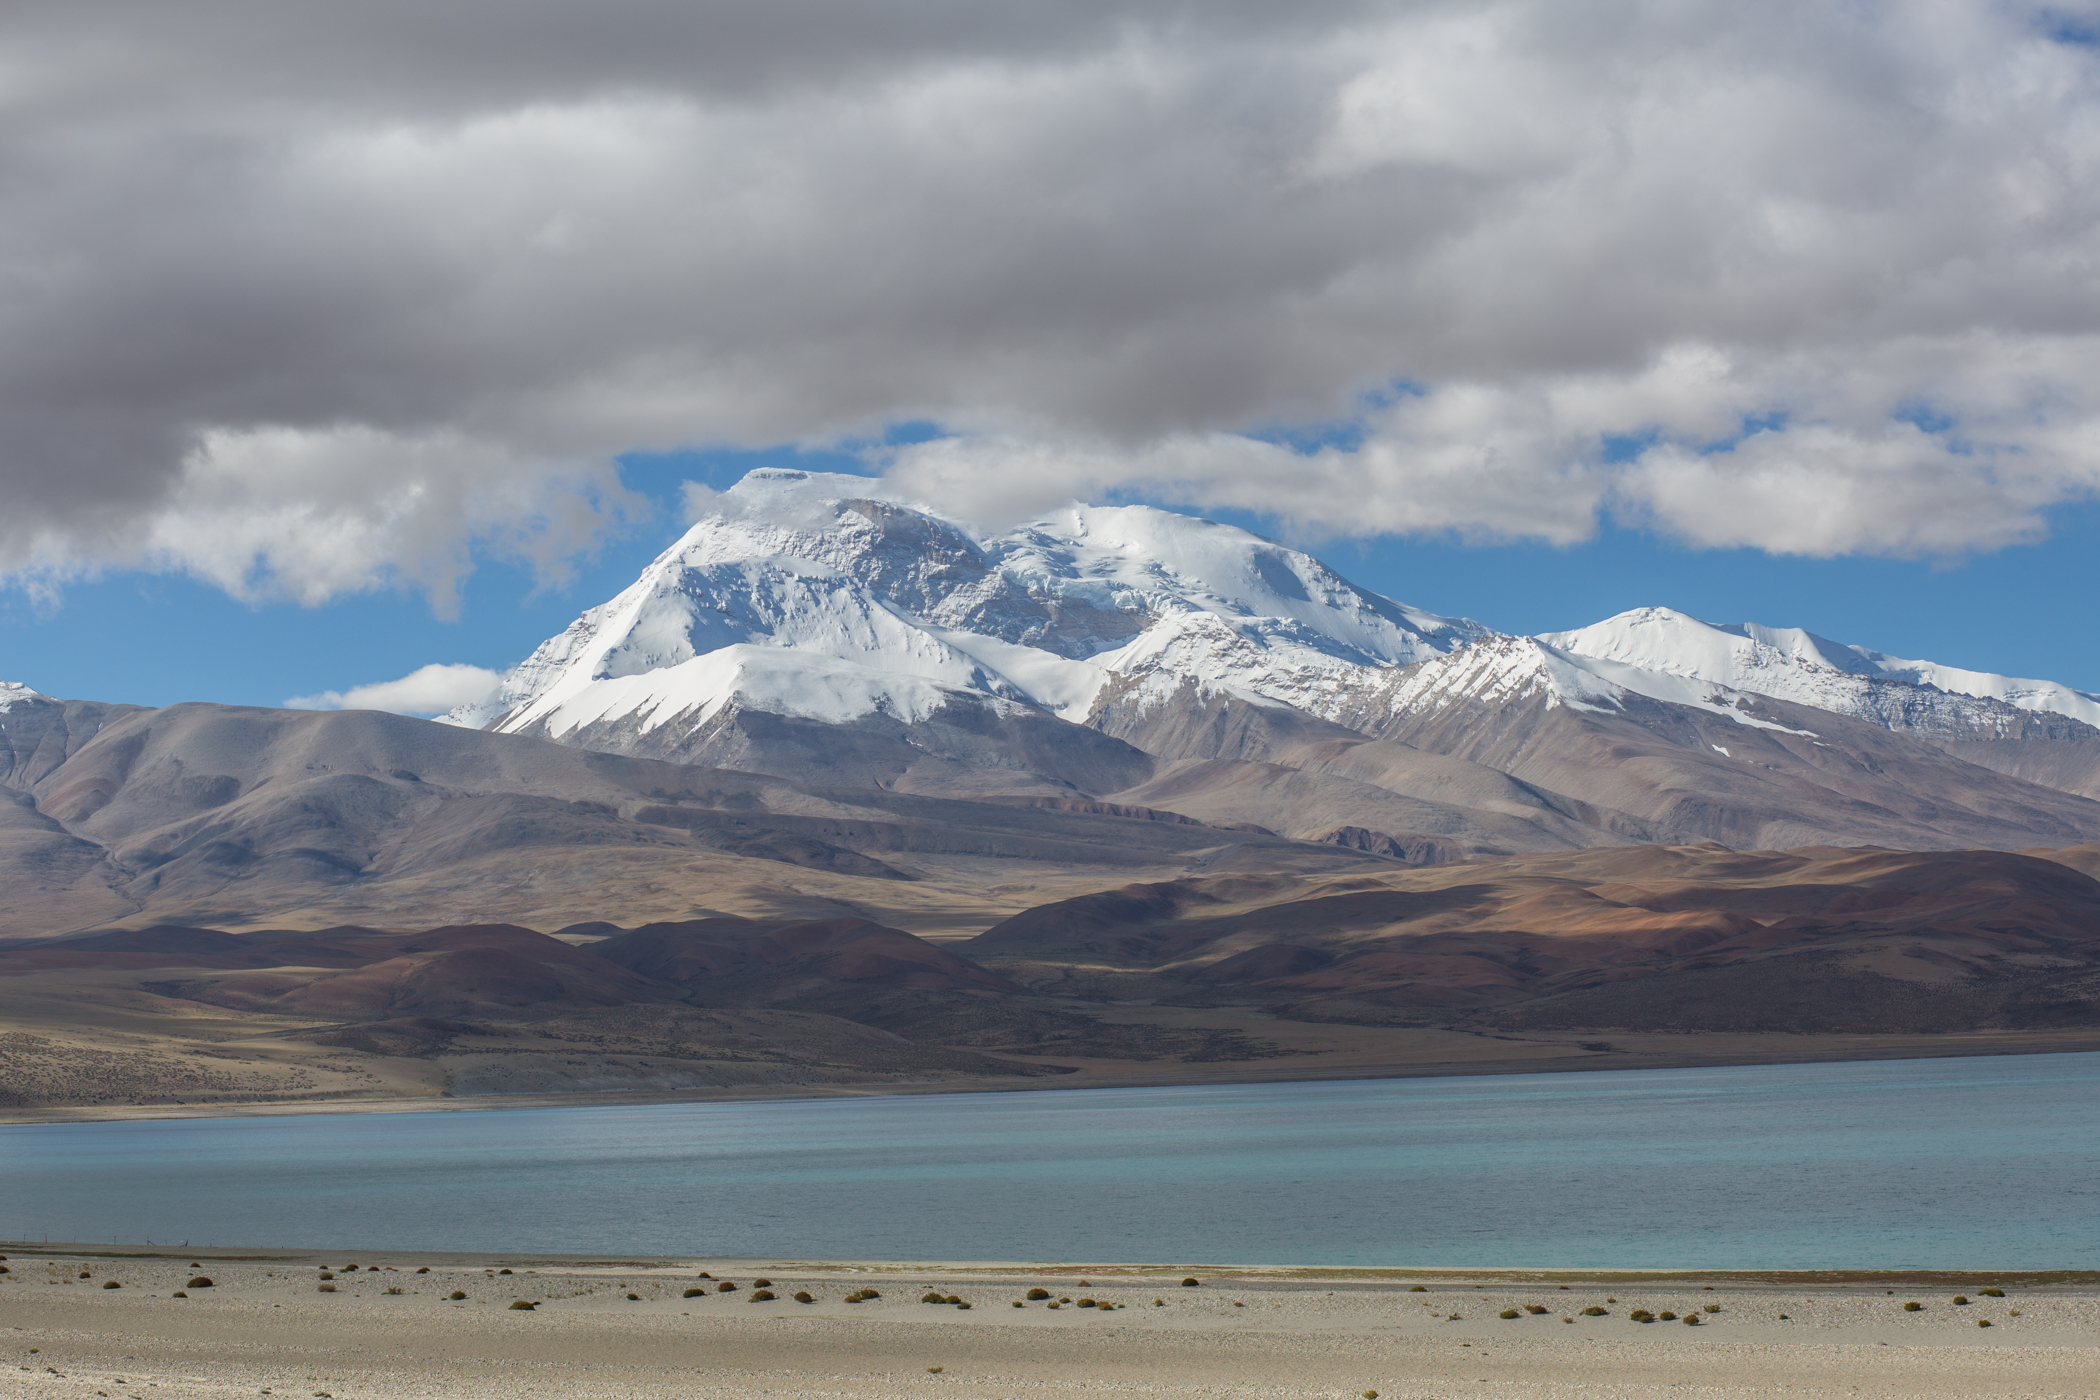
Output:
x=330 y=298
x=427 y=690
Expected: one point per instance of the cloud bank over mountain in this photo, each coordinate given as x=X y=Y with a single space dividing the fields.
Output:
x=309 y=300
x=427 y=690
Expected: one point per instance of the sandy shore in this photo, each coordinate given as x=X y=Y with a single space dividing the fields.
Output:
x=390 y=1328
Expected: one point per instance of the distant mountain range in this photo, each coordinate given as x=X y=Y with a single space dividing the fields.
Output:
x=1153 y=768
x=817 y=627
x=827 y=701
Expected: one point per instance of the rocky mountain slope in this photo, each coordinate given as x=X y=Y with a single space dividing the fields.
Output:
x=219 y=815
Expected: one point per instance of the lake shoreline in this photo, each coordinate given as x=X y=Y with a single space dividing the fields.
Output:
x=1708 y=1052
x=999 y=1270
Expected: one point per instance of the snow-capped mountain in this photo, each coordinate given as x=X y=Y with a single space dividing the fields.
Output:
x=1663 y=655
x=13 y=693
x=822 y=628
x=828 y=598
x=823 y=597
x=1788 y=663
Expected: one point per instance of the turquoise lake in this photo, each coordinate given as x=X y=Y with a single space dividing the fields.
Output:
x=1948 y=1163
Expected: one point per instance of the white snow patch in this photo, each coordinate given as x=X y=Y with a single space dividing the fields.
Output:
x=13 y=693
x=803 y=684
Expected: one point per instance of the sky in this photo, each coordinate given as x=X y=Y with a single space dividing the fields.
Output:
x=340 y=342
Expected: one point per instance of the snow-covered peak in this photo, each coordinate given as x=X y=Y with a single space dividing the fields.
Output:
x=851 y=578
x=13 y=693
x=1788 y=663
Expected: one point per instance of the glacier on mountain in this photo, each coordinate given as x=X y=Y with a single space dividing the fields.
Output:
x=825 y=596
x=831 y=598
x=1500 y=671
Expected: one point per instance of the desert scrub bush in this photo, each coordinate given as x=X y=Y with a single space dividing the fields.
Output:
x=760 y=1295
x=1712 y=1307
x=1992 y=1292
x=112 y=1283
x=1961 y=1300
x=634 y=1297
x=1370 y=1395
x=761 y=1283
x=326 y=1274
x=1668 y=1316
x=522 y=1306
x=1983 y=1322
x=952 y=1300
x=456 y=1296
x=1088 y=1303
x=862 y=1295
x=1591 y=1311
x=694 y=1293
x=1534 y=1309
x=1643 y=1315
x=1691 y=1319
x=962 y=1307
x=424 y=1270
x=178 y=1293
x=931 y=1297
x=1418 y=1288
x=1037 y=1295
x=1185 y=1283
x=1019 y=1304
x=1913 y=1307
x=726 y=1286
x=87 y=1273
x=327 y=1288
x=500 y=1271
x=394 y=1288
x=1508 y=1313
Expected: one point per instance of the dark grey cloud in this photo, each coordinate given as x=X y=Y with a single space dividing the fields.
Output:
x=305 y=299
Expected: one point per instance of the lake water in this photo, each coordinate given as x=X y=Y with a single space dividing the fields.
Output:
x=1957 y=1163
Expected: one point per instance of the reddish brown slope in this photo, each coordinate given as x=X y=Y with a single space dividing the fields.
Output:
x=1652 y=937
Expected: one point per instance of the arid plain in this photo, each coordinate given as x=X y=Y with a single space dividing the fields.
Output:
x=336 y=1325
